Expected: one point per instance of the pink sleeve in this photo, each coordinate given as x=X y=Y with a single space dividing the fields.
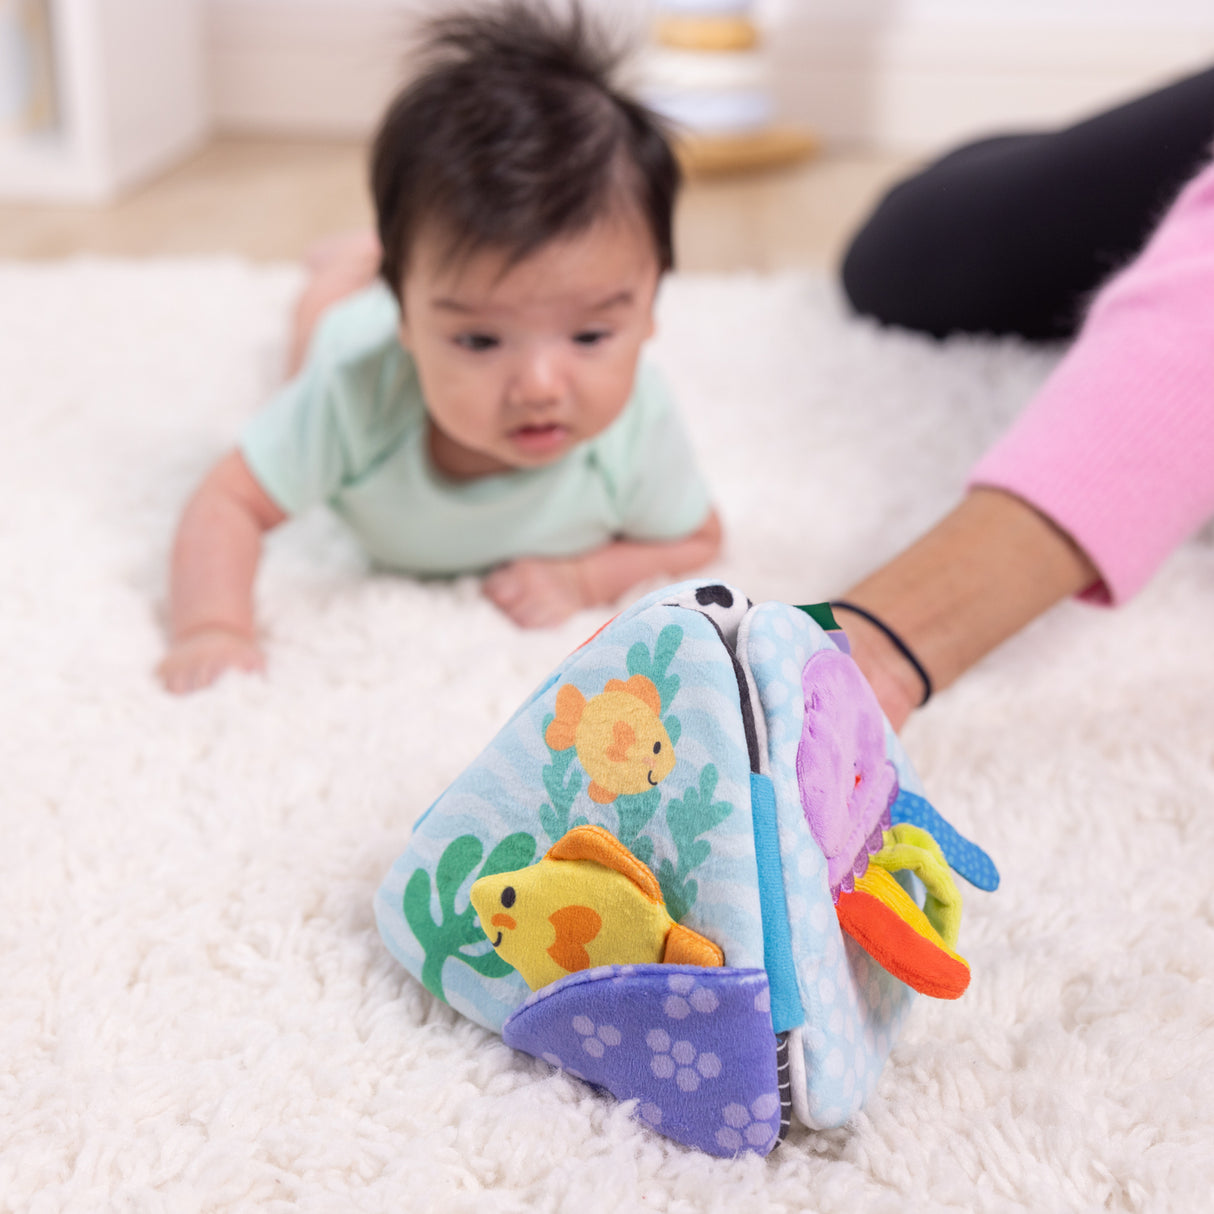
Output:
x=1118 y=446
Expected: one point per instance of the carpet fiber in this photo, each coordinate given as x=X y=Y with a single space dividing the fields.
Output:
x=196 y=1011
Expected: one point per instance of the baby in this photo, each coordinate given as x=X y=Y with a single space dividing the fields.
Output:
x=481 y=408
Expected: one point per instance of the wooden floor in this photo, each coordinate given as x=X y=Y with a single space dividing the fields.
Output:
x=270 y=199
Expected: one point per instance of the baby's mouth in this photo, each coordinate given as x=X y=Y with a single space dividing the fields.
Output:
x=540 y=437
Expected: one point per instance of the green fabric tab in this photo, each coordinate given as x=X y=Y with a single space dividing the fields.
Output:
x=821 y=615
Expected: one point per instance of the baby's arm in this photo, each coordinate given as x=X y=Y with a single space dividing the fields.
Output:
x=336 y=269
x=538 y=592
x=215 y=559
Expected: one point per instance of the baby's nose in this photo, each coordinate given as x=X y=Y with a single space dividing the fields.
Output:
x=538 y=378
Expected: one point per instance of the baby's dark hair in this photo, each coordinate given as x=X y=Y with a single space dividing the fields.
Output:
x=512 y=135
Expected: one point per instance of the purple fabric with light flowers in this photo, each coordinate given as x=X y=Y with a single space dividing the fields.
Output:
x=847 y=784
x=694 y=1047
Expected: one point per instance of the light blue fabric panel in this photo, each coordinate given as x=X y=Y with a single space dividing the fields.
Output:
x=786 y=1010
x=510 y=789
x=853 y=1007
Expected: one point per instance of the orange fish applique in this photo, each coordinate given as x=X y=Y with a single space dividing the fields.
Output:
x=619 y=736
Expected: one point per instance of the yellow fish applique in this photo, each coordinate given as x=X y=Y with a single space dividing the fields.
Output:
x=619 y=735
x=588 y=902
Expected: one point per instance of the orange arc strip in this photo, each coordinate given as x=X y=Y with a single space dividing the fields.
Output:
x=919 y=959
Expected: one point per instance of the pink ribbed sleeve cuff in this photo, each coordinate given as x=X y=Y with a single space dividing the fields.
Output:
x=1118 y=446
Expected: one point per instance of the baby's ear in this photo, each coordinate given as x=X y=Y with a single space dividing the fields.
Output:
x=651 y=326
x=651 y=321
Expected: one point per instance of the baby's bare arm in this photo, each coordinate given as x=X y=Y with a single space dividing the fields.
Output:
x=609 y=571
x=539 y=592
x=336 y=269
x=215 y=558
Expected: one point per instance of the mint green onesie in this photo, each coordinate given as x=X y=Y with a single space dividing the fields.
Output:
x=350 y=430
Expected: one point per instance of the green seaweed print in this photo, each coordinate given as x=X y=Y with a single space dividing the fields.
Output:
x=634 y=813
x=656 y=669
x=562 y=782
x=686 y=818
x=457 y=931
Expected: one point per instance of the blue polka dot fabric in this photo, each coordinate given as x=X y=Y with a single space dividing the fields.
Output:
x=964 y=857
x=852 y=1008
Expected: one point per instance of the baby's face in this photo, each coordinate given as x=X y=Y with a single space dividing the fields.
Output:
x=518 y=363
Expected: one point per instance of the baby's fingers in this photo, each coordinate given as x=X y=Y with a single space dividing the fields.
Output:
x=180 y=678
x=195 y=667
x=541 y=611
x=504 y=587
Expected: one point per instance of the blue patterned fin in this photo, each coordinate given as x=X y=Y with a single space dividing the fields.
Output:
x=966 y=858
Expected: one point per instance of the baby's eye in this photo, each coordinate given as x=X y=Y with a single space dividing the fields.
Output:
x=591 y=337
x=477 y=342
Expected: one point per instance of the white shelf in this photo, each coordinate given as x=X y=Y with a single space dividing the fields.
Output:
x=41 y=166
x=131 y=80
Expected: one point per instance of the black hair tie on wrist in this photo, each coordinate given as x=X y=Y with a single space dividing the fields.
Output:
x=898 y=643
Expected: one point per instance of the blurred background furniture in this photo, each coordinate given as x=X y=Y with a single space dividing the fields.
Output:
x=101 y=94
x=708 y=71
x=200 y=126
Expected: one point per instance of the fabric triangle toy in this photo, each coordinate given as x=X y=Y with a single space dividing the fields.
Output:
x=696 y=870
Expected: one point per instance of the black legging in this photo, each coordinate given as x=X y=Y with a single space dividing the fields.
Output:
x=1013 y=233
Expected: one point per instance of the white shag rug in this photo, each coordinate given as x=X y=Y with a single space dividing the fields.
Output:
x=196 y=1011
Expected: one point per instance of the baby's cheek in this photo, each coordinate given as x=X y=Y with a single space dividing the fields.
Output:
x=462 y=407
x=613 y=392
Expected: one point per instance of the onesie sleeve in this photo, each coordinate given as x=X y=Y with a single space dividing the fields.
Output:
x=293 y=446
x=651 y=466
x=322 y=430
x=1118 y=446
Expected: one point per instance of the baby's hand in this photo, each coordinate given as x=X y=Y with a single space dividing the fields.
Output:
x=537 y=592
x=199 y=658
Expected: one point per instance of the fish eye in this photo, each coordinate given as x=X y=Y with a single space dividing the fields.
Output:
x=657 y=748
x=508 y=896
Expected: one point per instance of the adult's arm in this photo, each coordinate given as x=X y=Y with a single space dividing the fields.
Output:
x=1117 y=449
x=1107 y=470
x=988 y=568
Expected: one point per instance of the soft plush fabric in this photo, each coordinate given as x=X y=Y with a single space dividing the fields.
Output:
x=664 y=1037
x=350 y=429
x=733 y=780
x=197 y=1011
